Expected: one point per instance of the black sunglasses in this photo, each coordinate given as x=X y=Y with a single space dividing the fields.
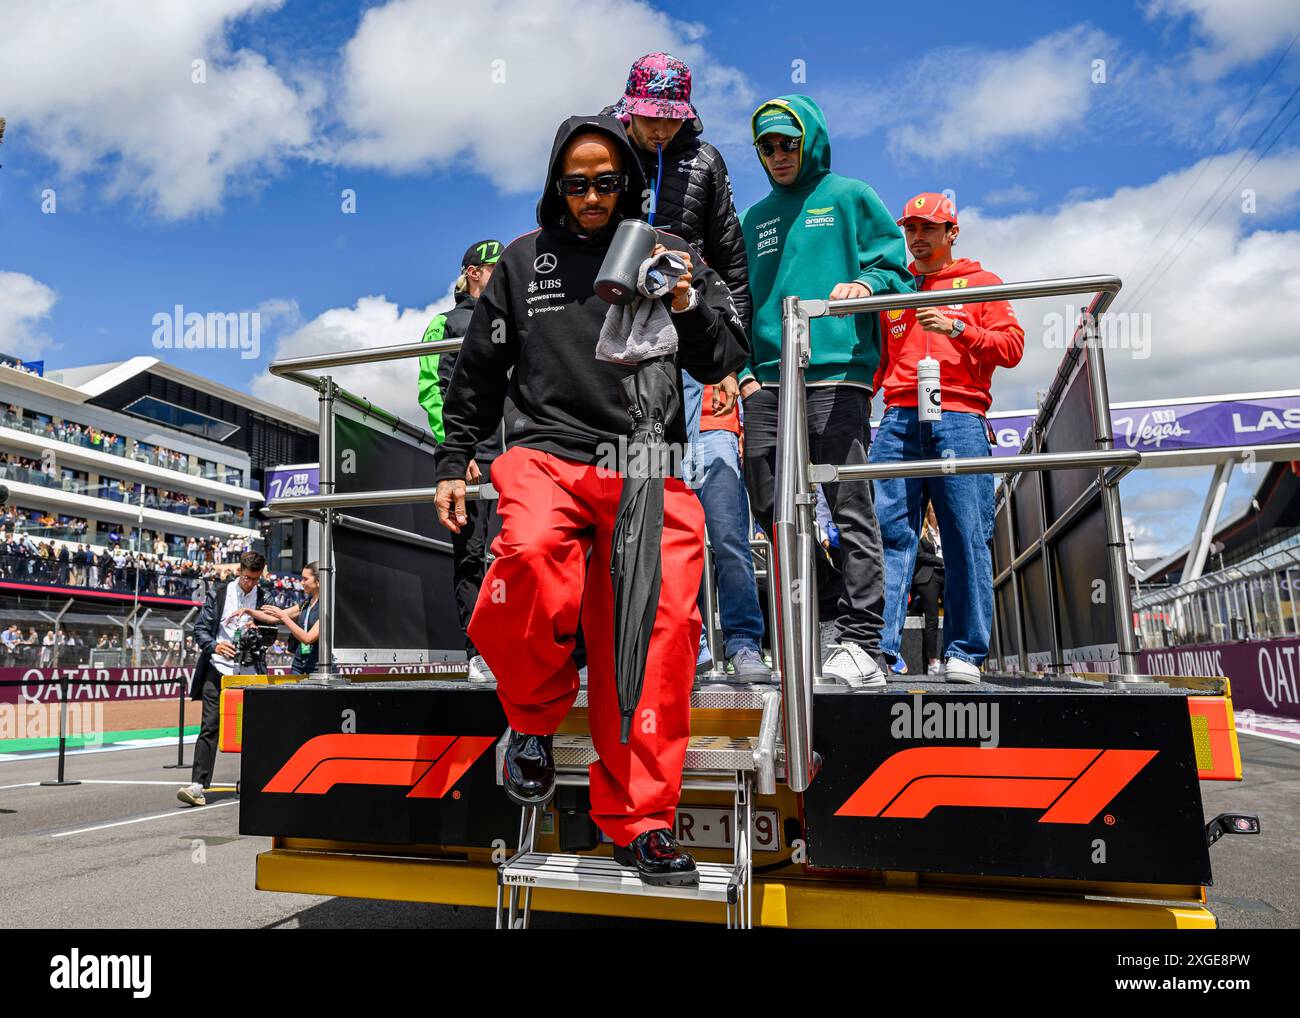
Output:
x=767 y=149
x=605 y=183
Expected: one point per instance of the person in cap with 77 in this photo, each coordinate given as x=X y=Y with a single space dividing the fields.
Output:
x=964 y=343
x=818 y=234
x=470 y=544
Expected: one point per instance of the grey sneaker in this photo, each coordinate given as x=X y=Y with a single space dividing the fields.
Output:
x=748 y=664
x=851 y=665
x=828 y=635
x=192 y=795
x=479 y=670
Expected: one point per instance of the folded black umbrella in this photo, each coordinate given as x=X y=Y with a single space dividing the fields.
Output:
x=635 y=566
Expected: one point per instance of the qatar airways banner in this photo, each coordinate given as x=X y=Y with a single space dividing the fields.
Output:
x=1169 y=427
x=85 y=684
x=1265 y=674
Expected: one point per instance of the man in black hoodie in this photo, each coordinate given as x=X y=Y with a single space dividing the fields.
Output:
x=533 y=337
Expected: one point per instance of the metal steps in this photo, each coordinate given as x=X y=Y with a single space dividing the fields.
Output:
x=601 y=874
x=712 y=761
x=717 y=762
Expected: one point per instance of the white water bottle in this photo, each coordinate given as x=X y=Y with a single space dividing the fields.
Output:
x=929 y=400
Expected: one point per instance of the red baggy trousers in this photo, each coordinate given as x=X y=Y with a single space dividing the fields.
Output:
x=553 y=512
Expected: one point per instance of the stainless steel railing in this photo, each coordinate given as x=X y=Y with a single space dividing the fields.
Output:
x=329 y=503
x=794 y=527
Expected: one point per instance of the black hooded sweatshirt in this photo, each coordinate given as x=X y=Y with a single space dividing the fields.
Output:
x=534 y=330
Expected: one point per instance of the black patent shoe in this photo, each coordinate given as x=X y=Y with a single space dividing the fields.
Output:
x=529 y=769
x=658 y=859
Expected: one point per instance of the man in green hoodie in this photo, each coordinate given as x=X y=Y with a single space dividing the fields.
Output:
x=821 y=235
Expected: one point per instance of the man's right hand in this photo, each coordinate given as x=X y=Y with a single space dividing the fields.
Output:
x=225 y=648
x=748 y=387
x=450 y=500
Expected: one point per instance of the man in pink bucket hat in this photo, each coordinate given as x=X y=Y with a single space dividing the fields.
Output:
x=693 y=200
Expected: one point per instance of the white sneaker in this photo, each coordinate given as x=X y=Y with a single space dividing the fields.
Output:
x=957 y=670
x=851 y=665
x=935 y=667
x=479 y=670
x=192 y=795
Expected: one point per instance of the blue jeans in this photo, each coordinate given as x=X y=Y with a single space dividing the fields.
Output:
x=712 y=468
x=963 y=507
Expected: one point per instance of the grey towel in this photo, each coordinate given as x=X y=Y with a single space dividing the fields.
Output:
x=644 y=328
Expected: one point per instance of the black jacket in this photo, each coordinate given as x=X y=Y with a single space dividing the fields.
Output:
x=206 y=629
x=455 y=325
x=542 y=294
x=695 y=202
x=928 y=563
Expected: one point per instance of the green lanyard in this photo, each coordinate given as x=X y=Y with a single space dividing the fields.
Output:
x=305 y=648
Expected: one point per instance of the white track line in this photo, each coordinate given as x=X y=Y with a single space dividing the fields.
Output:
x=25 y=784
x=1289 y=740
x=105 y=781
x=117 y=747
x=140 y=820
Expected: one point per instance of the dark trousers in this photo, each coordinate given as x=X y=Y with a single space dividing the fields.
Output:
x=926 y=598
x=469 y=565
x=205 y=749
x=839 y=421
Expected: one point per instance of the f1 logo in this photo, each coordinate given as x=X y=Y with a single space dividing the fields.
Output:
x=427 y=764
x=1071 y=785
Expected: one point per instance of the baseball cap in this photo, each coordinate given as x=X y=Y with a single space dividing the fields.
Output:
x=775 y=120
x=933 y=208
x=485 y=252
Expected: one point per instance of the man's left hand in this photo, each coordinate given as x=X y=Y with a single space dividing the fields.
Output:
x=725 y=394
x=931 y=320
x=850 y=291
x=682 y=290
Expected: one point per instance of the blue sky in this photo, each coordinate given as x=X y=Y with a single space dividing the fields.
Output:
x=224 y=195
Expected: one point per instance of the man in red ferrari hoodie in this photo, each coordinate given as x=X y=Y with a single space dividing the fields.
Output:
x=969 y=341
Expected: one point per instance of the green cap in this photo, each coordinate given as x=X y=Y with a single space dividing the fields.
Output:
x=776 y=120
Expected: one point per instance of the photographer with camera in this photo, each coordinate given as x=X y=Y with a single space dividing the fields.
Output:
x=303 y=623
x=225 y=611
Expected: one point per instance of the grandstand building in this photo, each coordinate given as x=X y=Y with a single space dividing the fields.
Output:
x=129 y=484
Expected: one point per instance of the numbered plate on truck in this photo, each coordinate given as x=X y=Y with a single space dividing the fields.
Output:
x=714 y=827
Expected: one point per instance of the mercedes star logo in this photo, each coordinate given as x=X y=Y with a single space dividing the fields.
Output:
x=544 y=263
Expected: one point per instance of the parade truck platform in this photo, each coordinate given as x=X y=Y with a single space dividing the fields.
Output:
x=1060 y=791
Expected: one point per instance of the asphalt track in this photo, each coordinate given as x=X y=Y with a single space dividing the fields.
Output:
x=118 y=851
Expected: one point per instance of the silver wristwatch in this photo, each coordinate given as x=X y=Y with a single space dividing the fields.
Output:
x=958 y=327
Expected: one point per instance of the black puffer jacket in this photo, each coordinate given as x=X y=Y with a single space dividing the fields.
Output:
x=696 y=204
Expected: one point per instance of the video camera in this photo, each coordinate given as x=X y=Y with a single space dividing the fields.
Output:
x=251 y=645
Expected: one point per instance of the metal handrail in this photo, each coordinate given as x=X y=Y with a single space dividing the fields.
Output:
x=298 y=369
x=1123 y=460
x=793 y=524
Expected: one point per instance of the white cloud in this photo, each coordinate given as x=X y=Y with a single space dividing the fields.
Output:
x=1005 y=98
x=1220 y=320
x=371 y=321
x=419 y=91
x=1016 y=194
x=24 y=302
x=1236 y=31
x=107 y=86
